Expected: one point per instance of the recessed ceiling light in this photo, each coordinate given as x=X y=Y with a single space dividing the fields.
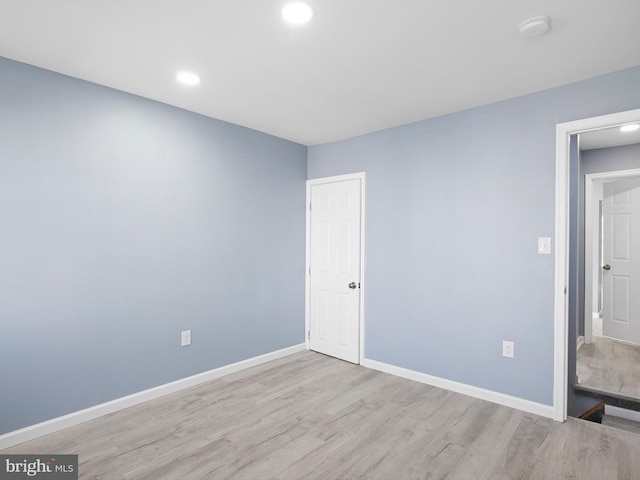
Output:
x=630 y=128
x=297 y=13
x=188 y=78
x=535 y=26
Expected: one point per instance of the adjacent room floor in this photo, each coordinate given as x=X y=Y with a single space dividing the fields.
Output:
x=609 y=365
x=309 y=416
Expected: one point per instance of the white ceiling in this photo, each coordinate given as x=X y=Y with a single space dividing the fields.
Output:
x=359 y=66
x=608 y=137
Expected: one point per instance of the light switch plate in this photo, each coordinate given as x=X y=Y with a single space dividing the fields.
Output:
x=185 y=338
x=544 y=245
x=508 y=349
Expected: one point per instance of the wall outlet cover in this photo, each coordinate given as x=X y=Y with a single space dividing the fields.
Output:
x=185 y=338
x=508 y=349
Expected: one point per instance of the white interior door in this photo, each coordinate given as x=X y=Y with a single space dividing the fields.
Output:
x=621 y=260
x=334 y=273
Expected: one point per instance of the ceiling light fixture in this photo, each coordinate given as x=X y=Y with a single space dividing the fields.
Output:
x=630 y=128
x=188 y=78
x=297 y=13
x=535 y=26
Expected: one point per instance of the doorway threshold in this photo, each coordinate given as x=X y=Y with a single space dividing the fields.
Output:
x=615 y=399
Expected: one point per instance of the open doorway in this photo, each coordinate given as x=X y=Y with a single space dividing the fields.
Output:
x=570 y=296
x=608 y=354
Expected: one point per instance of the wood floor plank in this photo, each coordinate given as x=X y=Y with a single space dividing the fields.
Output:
x=312 y=417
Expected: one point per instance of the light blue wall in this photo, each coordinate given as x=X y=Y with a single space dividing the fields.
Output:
x=626 y=157
x=124 y=221
x=454 y=208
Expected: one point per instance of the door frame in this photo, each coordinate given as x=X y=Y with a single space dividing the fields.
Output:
x=589 y=180
x=307 y=286
x=561 y=268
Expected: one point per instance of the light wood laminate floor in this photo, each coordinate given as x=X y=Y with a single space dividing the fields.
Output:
x=309 y=416
x=610 y=366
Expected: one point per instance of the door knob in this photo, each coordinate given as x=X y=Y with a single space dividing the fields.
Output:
x=607 y=267
x=352 y=285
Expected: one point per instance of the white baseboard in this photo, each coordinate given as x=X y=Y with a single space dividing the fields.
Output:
x=622 y=413
x=580 y=342
x=50 y=426
x=476 y=392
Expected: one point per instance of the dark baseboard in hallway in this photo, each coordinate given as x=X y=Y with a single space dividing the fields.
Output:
x=610 y=398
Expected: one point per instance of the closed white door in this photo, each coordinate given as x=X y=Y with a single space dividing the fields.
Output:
x=621 y=260
x=334 y=273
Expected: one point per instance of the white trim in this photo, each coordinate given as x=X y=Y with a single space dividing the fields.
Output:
x=319 y=181
x=363 y=216
x=622 y=413
x=561 y=269
x=581 y=341
x=561 y=320
x=50 y=426
x=589 y=180
x=475 y=392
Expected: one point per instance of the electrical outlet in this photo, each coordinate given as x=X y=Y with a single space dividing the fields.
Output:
x=185 y=338
x=508 y=349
